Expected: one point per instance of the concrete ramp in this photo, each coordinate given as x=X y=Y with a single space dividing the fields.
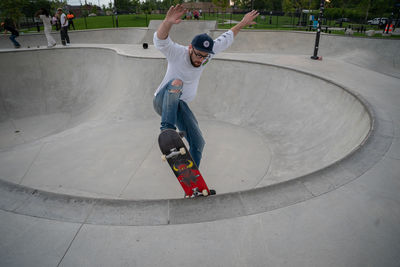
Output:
x=381 y=55
x=184 y=32
x=90 y=129
x=95 y=36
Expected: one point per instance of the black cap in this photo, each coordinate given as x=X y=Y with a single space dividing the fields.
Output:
x=204 y=43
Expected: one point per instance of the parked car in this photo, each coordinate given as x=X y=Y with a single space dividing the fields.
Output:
x=342 y=20
x=378 y=21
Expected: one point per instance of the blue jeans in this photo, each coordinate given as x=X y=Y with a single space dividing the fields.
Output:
x=12 y=38
x=175 y=112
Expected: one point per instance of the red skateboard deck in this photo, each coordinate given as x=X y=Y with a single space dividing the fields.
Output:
x=179 y=159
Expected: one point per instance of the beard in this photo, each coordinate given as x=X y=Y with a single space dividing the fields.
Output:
x=195 y=64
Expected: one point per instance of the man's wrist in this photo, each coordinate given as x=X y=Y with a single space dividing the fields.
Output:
x=163 y=30
x=168 y=23
x=235 y=29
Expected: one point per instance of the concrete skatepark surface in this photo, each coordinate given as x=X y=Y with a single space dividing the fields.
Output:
x=303 y=154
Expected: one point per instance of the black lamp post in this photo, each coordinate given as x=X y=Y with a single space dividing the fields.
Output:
x=320 y=16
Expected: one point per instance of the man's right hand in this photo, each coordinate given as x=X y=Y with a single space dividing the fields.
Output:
x=174 y=16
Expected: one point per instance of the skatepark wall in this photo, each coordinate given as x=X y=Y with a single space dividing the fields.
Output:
x=96 y=36
x=182 y=33
x=300 y=117
x=98 y=85
x=382 y=55
x=303 y=119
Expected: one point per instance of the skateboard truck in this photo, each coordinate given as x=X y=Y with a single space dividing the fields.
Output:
x=196 y=193
x=174 y=152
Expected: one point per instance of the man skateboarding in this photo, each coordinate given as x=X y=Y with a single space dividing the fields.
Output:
x=185 y=66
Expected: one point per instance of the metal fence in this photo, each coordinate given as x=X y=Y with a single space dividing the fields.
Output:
x=266 y=20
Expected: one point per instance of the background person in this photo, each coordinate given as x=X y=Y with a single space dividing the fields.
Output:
x=196 y=14
x=64 y=27
x=56 y=21
x=70 y=18
x=9 y=26
x=44 y=15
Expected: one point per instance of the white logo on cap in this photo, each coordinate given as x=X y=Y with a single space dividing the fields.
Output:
x=206 y=44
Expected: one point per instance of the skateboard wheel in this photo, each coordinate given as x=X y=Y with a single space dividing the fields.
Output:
x=205 y=192
x=212 y=192
x=182 y=150
x=164 y=158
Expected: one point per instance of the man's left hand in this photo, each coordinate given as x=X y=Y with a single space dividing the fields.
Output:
x=249 y=18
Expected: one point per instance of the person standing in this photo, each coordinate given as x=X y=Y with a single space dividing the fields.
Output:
x=70 y=18
x=8 y=25
x=44 y=15
x=56 y=21
x=64 y=27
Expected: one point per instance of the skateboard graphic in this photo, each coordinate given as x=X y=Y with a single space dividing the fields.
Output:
x=174 y=151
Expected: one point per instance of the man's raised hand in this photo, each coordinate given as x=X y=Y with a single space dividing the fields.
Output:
x=249 y=18
x=175 y=13
x=174 y=16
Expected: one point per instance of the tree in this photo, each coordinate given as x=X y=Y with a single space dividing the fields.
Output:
x=288 y=7
x=379 y=7
x=295 y=5
x=262 y=5
x=121 y=5
x=94 y=10
x=12 y=9
x=54 y=4
x=148 y=6
x=31 y=7
x=364 y=6
x=16 y=9
x=224 y=4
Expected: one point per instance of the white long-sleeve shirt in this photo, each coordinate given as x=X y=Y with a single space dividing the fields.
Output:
x=180 y=67
x=46 y=22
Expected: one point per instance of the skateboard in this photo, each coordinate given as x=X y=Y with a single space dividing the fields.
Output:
x=177 y=155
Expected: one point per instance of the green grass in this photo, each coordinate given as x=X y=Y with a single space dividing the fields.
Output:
x=139 y=20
